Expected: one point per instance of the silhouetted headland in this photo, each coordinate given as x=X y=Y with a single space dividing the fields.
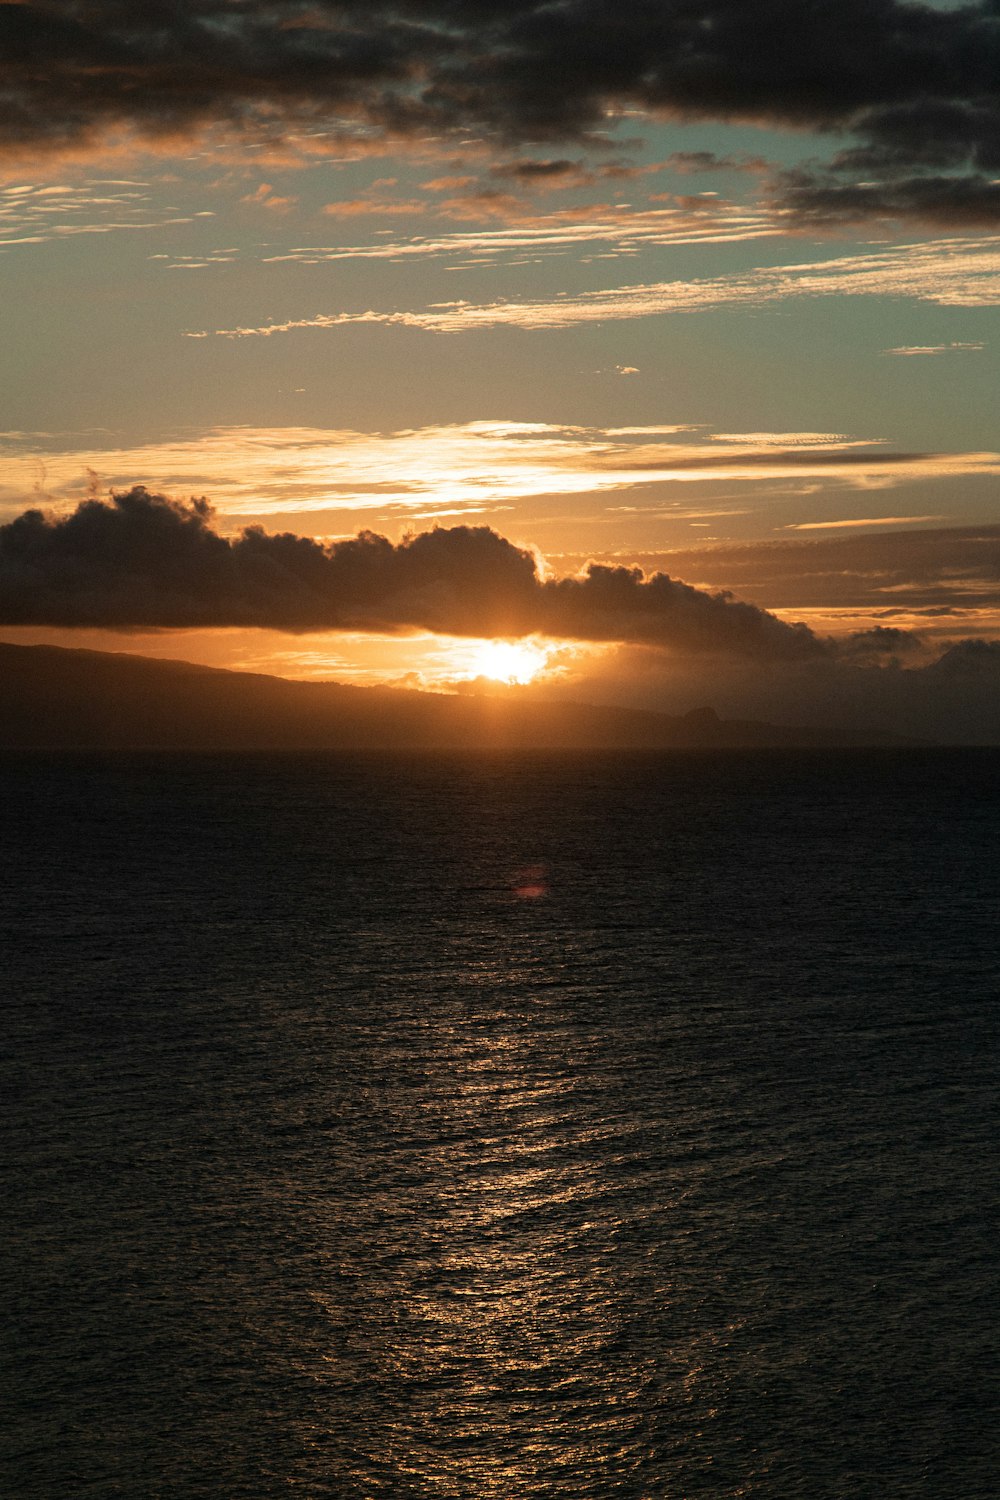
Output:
x=52 y=698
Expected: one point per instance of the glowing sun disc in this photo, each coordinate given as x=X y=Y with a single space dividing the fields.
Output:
x=509 y=661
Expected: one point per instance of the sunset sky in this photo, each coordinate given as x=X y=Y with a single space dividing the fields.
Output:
x=705 y=288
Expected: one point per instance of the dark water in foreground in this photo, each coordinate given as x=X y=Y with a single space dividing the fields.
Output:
x=518 y=1128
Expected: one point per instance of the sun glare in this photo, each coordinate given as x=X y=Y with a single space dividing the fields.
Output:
x=509 y=661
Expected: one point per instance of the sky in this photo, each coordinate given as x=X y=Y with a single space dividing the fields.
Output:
x=660 y=338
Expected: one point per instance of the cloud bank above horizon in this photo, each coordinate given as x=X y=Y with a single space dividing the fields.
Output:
x=143 y=561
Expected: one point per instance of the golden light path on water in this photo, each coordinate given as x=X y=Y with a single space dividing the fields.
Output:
x=510 y=1344
x=501 y=1127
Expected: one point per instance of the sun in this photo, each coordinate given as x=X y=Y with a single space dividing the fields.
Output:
x=514 y=662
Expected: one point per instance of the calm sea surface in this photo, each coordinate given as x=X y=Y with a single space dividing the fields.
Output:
x=526 y=1127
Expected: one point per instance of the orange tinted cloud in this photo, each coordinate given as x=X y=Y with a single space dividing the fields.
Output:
x=448 y=469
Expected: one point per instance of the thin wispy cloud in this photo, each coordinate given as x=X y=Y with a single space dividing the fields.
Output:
x=951 y=273
x=445 y=470
x=948 y=572
x=790 y=439
x=619 y=227
x=196 y=262
x=907 y=351
x=858 y=521
x=38 y=213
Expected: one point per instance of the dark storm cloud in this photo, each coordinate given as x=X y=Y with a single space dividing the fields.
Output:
x=140 y=560
x=536 y=171
x=880 y=644
x=932 y=133
x=693 y=162
x=968 y=201
x=971 y=661
x=915 y=86
x=615 y=603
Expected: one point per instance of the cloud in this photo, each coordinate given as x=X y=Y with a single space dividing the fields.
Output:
x=857 y=521
x=532 y=169
x=265 y=197
x=879 y=645
x=936 y=568
x=359 y=208
x=34 y=213
x=951 y=273
x=474 y=467
x=506 y=189
x=693 y=162
x=141 y=561
x=912 y=85
x=558 y=173
x=605 y=227
x=908 y=351
x=877 y=680
x=939 y=202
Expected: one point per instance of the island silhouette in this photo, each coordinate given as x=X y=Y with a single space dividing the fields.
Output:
x=54 y=698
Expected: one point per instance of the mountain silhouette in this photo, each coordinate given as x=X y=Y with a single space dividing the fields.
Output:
x=53 y=698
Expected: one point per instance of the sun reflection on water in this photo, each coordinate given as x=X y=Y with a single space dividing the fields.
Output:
x=491 y=1323
x=511 y=1324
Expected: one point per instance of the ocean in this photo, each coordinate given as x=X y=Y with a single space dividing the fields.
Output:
x=525 y=1127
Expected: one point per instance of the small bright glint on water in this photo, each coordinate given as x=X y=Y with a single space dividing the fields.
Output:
x=509 y=661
